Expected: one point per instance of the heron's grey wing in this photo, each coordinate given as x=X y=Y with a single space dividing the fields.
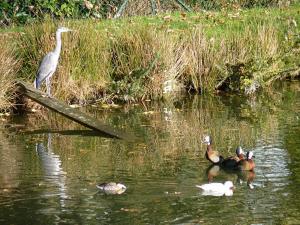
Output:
x=47 y=67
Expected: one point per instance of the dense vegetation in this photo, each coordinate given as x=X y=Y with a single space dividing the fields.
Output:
x=26 y=11
x=142 y=57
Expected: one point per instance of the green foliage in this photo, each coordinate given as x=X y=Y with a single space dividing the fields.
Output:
x=24 y=11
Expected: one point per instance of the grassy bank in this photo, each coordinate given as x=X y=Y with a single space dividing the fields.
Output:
x=142 y=58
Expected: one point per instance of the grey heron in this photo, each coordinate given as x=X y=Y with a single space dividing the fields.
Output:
x=49 y=63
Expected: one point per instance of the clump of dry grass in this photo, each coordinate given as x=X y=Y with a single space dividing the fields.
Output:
x=85 y=67
x=202 y=57
x=144 y=60
x=8 y=68
x=210 y=60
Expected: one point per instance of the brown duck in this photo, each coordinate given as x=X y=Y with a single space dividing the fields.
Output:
x=210 y=154
x=246 y=164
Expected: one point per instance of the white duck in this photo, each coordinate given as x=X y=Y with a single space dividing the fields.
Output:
x=217 y=189
x=112 y=188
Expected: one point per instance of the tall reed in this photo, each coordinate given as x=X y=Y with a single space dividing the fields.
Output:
x=9 y=65
x=207 y=59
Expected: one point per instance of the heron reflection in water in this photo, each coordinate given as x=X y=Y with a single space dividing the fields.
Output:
x=52 y=167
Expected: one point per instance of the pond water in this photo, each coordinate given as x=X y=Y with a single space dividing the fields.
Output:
x=49 y=168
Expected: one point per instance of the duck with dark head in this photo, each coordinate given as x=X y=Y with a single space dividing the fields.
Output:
x=231 y=162
x=210 y=154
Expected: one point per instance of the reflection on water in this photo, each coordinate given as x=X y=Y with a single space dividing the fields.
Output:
x=213 y=171
x=53 y=172
x=52 y=178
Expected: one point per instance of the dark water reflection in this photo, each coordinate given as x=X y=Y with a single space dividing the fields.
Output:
x=50 y=178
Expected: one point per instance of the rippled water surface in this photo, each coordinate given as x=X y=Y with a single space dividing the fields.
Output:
x=49 y=167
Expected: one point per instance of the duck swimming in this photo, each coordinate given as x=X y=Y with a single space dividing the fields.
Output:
x=112 y=188
x=246 y=164
x=217 y=189
x=210 y=154
x=231 y=162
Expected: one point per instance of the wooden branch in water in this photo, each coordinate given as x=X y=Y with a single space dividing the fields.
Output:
x=69 y=112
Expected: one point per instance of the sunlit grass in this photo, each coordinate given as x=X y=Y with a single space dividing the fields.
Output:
x=135 y=58
x=8 y=67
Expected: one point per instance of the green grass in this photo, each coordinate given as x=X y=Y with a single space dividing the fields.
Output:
x=139 y=57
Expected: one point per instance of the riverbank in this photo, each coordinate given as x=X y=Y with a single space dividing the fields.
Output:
x=141 y=58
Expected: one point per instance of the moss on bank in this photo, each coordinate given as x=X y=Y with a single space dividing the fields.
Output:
x=145 y=57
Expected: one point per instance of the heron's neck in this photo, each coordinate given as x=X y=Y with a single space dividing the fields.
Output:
x=58 y=43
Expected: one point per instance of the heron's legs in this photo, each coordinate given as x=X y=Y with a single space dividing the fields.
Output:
x=48 y=85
